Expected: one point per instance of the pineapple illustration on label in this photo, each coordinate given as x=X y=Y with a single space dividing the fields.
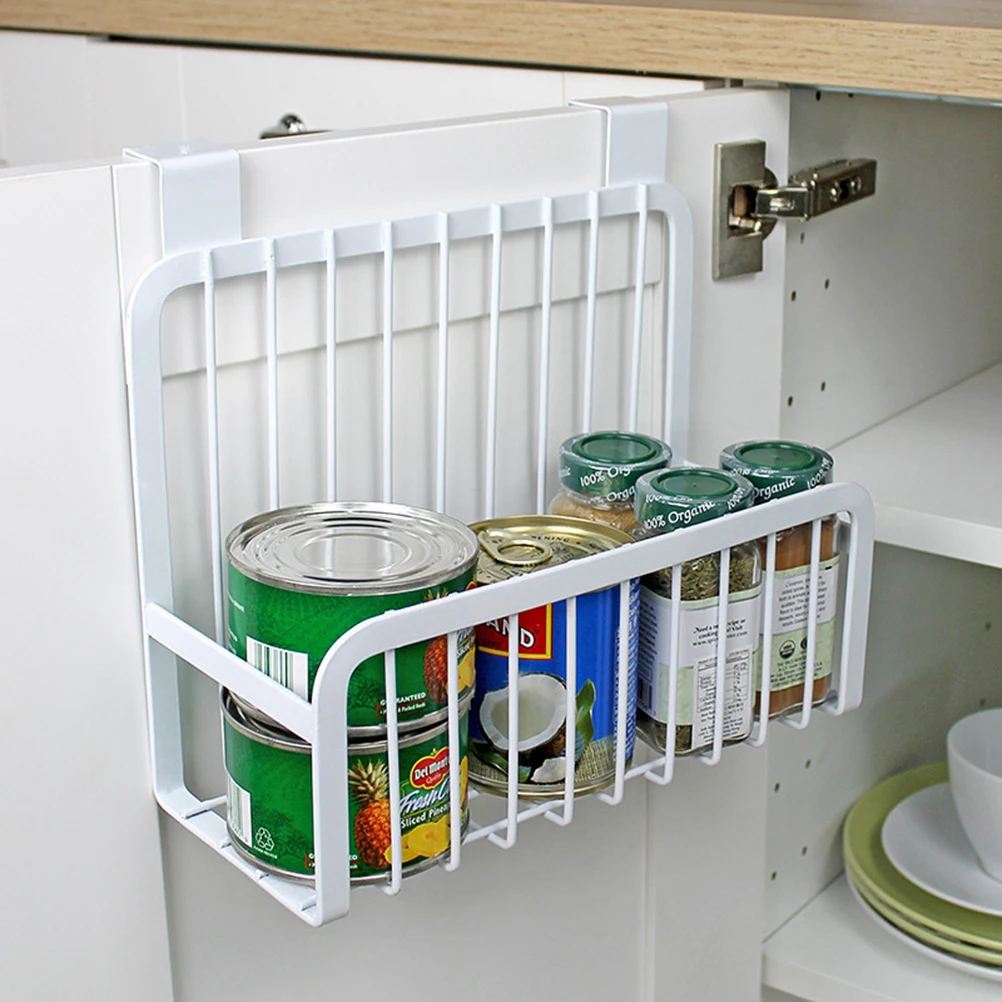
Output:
x=436 y=661
x=369 y=785
x=270 y=800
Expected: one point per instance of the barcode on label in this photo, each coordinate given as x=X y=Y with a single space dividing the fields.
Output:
x=288 y=668
x=238 y=811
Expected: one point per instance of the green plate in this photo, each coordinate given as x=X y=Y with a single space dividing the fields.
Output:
x=990 y=958
x=875 y=875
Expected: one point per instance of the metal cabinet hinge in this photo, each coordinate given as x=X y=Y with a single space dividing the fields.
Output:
x=748 y=200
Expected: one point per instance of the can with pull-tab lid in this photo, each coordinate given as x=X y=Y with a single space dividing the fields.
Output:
x=549 y=736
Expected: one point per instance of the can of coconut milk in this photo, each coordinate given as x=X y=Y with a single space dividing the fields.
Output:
x=512 y=546
x=299 y=578
x=269 y=796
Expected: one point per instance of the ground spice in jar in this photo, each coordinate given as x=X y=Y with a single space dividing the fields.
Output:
x=598 y=475
x=673 y=499
x=778 y=469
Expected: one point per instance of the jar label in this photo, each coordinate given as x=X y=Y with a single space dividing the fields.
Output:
x=697 y=663
x=790 y=612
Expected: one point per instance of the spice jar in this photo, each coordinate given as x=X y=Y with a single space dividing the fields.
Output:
x=777 y=469
x=598 y=475
x=673 y=499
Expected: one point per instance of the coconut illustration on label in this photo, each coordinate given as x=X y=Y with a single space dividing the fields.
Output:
x=553 y=738
x=542 y=726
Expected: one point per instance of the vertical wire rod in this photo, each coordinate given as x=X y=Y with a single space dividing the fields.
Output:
x=720 y=690
x=455 y=791
x=804 y=717
x=678 y=329
x=589 y=346
x=511 y=827
x=566 y=816
x=443 y=356
x=622 y=690
x=393 y=763
x=674 y=653
x=768 y=600
x=387 y=361
x=638 y=306
x=490 y=455
x=330 y=278
x=212 y=431
x=271 y=351
x=544 y=356
x=848 y=624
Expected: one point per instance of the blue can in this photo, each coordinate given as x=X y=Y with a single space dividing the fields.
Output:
x=520 y=545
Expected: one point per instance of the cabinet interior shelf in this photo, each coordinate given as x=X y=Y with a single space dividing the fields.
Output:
x=935 y=472
x=832 y=952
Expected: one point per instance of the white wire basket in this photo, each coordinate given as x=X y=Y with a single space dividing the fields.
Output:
x=590 y=320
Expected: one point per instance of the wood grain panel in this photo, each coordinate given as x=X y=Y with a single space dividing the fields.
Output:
x=935 y=48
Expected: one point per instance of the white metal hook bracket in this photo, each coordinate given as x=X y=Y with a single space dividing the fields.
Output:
x=199 y=193
x=636 y=145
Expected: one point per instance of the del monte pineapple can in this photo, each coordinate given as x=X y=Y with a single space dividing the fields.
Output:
x=299 y=578
x=547 y=737
x=269 y=796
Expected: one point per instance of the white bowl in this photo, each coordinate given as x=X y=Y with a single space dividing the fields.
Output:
x=974 y=755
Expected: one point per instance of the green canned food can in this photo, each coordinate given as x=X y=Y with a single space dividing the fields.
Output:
x=299 y=578
x=269 y=796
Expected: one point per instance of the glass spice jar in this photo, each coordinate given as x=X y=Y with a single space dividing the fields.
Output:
x=674 y=499
x=777 y=469
x=598 y=475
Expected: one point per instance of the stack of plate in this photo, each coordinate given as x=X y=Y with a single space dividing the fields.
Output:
x=915 y=874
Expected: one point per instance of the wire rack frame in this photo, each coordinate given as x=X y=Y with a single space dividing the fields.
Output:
x=322 y=722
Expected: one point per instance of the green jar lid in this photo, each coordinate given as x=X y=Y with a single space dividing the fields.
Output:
x=674 y=499
x=779 y=468
x=608 y=464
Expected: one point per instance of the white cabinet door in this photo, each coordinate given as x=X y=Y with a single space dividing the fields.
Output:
x=82 y=911
x=639 y=902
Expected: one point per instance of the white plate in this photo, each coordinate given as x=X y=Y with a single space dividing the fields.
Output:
x=948 y=959
x=923 y=839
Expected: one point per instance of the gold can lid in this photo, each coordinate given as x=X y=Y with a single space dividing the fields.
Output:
x=521 y=544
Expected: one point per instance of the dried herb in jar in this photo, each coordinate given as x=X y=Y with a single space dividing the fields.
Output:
x=669 y=500
x=598 y=475
x=778 y=469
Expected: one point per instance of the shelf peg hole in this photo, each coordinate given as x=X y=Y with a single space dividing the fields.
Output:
x=801 y=237
x=775 y=789
x=982 y=703
x=823 y=385
x=807 y=764
x=793 y=296
x=772 y=875
x=828 y=283
x=803 y=850
x=817 y=95
x=789 y=401
x=988 y=625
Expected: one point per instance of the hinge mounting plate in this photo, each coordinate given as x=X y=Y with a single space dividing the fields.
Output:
x=748 y=201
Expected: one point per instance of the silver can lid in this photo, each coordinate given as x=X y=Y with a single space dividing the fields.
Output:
x=352 y=548
x=521 y=544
